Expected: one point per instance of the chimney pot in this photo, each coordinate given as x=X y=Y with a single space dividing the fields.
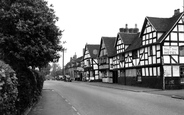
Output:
x=135 y=25
x=176 y=12
x=126 y=25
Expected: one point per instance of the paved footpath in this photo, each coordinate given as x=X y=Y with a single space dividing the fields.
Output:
x=51 y=103
x=178 y=94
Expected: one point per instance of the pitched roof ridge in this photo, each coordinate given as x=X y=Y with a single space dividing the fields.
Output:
x=174 y=16
x=91 y=44
x=126 y=33
x=106 y=37
x=158 y=17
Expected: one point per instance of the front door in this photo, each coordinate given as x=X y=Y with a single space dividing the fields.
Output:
x=115 y=76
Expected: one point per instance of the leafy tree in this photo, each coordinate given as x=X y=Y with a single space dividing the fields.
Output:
x=56 y=70
x=28 y=34
x=29 y=38
x=46 y=70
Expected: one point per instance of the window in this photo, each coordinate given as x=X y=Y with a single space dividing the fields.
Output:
x=134 y=54
x=174 y=36
x=181 y=36
x=182 y=72
x=181 y=49
x=181 y=27
x=154 y=34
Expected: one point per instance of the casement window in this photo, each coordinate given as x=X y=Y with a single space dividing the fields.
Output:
x=181 y=50
x=134 y=54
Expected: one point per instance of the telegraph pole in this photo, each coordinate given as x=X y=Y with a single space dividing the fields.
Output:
x=63 y=51
x=63 y=63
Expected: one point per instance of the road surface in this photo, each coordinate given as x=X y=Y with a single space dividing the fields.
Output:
x=93 y=100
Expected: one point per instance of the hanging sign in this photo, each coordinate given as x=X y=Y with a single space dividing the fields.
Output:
x=169 y=50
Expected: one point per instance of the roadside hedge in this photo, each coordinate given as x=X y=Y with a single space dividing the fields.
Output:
x=19 y=89
x=29 y=88
x=8 y=90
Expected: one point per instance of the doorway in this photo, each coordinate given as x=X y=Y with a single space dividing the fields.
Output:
x=115 y=76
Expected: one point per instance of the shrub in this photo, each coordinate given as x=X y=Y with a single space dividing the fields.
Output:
x=8 y=90
x=29 y=88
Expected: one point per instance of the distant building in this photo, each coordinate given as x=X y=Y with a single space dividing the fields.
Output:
x=106 y=53
x=125 y=39
x=155 y=58
x=90 y=62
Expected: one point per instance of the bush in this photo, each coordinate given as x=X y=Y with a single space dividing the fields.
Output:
x=8 y=90
x=30 y=87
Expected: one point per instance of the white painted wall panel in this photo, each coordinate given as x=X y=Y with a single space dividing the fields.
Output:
x=151 y=72
x=181 y=59
x=154 y=71
x=167 y=71
x=150 y=60
x=176 y=71
x=143 y=71
x=154 y=59
x=166 y=59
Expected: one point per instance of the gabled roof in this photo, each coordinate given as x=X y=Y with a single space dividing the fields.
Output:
x=175 y=20
x=163 y=24
x=109 y=45
x=93 y=50
x=127 y=37
x=136 y=43
x=79 y=59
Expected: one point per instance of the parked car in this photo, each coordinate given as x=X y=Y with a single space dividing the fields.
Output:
x=68 y=78
x=60 y=77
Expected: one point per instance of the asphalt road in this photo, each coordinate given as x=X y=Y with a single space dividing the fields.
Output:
x=93 y=100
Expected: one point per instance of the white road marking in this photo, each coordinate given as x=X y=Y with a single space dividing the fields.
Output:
x=74 y=108
x=78 y=113
x=66 y=100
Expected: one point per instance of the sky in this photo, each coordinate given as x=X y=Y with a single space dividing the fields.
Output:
x=86 y=21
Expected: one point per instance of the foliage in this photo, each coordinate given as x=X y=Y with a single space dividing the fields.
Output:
x=28 y=38
x=30 y=86
x=56 y=70
x=28 y=33
x=45 y=70
x=8 y=90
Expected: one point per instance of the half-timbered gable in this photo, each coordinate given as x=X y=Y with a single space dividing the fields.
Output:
x=161 y=50
x=106 y=52
x=155 y=56
x=122 y=60
x=131 y=57
x=172 y=51
x=91 y=62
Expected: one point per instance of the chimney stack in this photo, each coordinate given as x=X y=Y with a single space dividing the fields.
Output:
x=176 y=12
x=126 y=25
x=129 y=30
